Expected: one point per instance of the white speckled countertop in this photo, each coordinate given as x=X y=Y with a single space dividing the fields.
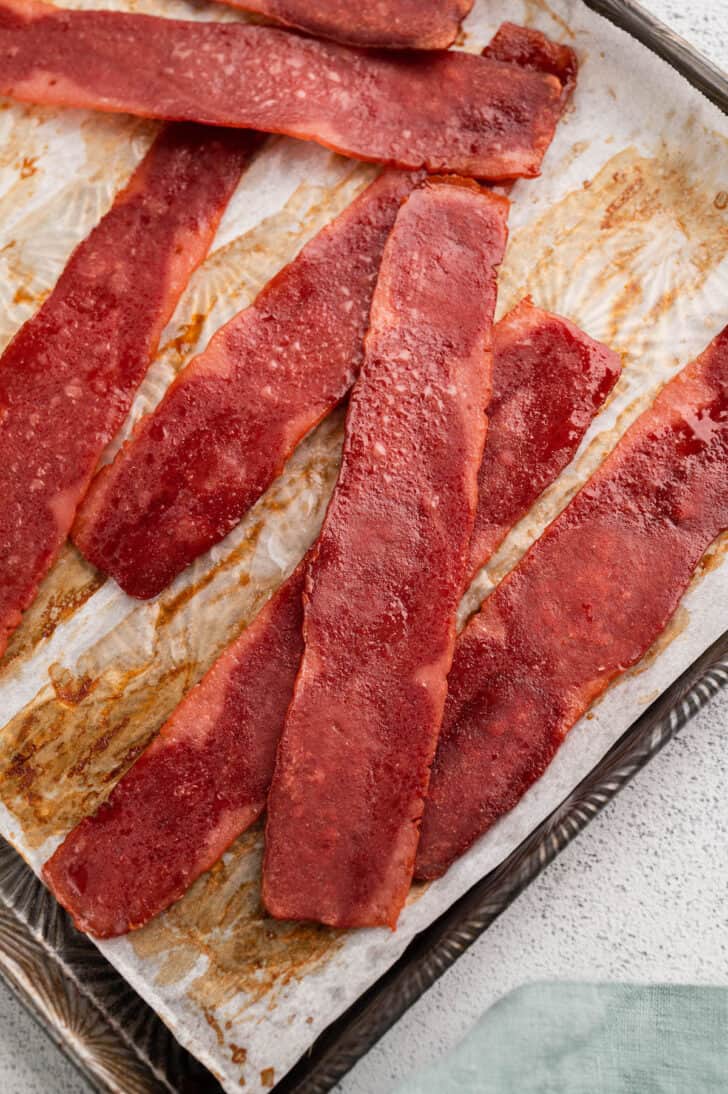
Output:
x=640 y=895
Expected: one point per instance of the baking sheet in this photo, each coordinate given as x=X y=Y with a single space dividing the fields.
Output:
x=626 y=233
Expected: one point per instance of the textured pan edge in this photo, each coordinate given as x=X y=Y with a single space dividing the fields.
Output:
x=115 y=1040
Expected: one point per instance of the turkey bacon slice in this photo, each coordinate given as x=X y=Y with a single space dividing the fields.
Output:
x=389 y=24
x=387 y=572
x=68 y=377
x=442 y=110
x=205 y=778
x=586 y=602
x=229 y=422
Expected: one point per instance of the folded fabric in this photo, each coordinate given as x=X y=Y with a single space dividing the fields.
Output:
x=568 y=1038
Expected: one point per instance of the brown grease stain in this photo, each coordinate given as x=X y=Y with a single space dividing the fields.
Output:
x=169 y=609
x=188 y=336
x=70 y=690
x=534 y=7
x=593 y=254
x=64 y=590
x=577 y=149
x=214 y=1025
x=221 y=919
x=66 y=750
x=714 y=557
x=22 y=296
x=238 y=1055
x=62 y=756
x=267 y=1076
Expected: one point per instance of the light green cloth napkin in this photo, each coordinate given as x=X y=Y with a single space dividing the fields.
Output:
x=564 y=1038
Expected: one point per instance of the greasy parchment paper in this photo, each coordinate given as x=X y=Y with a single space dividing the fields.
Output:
x=626 y=233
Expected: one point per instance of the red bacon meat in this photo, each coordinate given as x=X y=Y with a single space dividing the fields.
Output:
x=549 y=380
x=585 y=603
x=205 y=778
x=193 y=468
x=201 y=782
x=530 y=49
x=387 y=572
x=229 y=422
x=68 y=377
x=390 y=24
x=445 y=111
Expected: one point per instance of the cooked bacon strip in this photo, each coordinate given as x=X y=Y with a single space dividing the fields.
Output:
x=549 y=380
x=530 y=49
x=68 y=377
x=201 y=782
x=205 y=778
x=229 y=422
x=449 y=111
x=387 y=572
x=390 y=24
x=585 y=603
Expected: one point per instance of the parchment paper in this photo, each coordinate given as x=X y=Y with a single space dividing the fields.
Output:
x=626 y=233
